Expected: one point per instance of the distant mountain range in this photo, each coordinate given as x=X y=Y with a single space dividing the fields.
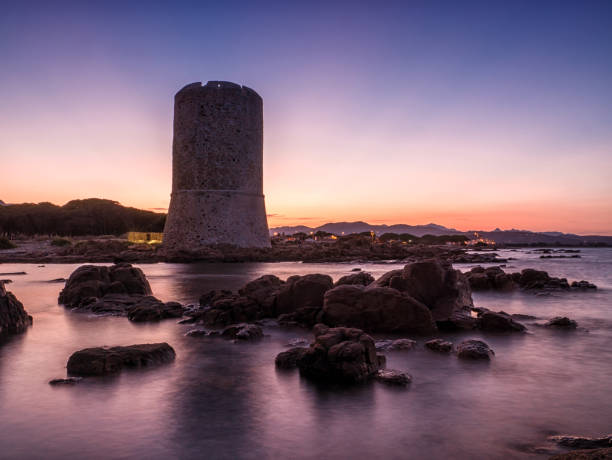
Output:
x=497 y=235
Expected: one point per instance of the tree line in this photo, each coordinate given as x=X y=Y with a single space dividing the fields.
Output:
x=92 y=216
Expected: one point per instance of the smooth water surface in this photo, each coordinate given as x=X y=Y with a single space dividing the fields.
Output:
x=226 y=400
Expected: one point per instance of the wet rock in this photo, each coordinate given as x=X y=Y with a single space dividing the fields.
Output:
x=474 y=349
x=582 y=286
x=299 y=342
x=398 y=344
x=151 y=309
x=376 y=309
x=587 y=454
x=57 y=280
x=393 y=377
x=211 y=296
x=498 y=322
x=491 y=278
x=91 y=281
x=104 y=360
x=439 y=345
x=66 y=381
x=13 y=317
x=561 y=322
x=360 y=278
x=264 y=291
x=243 y=331
x=302 y=291
x=304 y=317
x=581 y=442
x=196 y=333
x=289 y=359
x=344 y=355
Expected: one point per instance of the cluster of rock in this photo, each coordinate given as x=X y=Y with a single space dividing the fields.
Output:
x=419 y=299
x=589 y=448
x=103 y=360
x=120 y=289
x=494 y=278
x=13 y=317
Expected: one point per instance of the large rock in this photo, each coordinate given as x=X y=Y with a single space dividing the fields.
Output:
x=264 y=291
x=376 y=309
x=561 y=322
x=361 y=278
x=474 y=349
x=243 y=331
x=491 y=278
x=582 y=442
x=91 y=281
x=13 y=317
x=443 y=290
x=289 y=359
x=586 y=454
x=439 y=345
x=103 y=360
x=302 y=291
x=344 y=355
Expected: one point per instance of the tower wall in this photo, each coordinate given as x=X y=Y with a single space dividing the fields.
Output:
x=217 y=168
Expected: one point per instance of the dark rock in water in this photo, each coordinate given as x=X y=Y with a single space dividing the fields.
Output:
x=6 y=281
x=211 y=296
x=91 y=281
x=196 y=333
x=356 y=269
x=397 y=344
x=491 y=278
x=580 y=442
x=434 y=283
x=561 y=322
x=66 y=381
x=103 y=360
x=344 y=355
x=57 y=280
x=12 y=273
x=498 y=322
x=376 y=309
x=289 y=359
x=13 y=317
x=439 y=345
x=393 y=377
x=243 y=331
x=264 y=291
x=151 y=309
x=582 y=286
x=302 y=291
x=523 y=316
x=474 y=349
x=299 y=342
x=305 y=317
x=361 y=278
x=587 y=454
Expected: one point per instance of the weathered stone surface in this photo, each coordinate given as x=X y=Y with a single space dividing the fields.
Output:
x=561 y=322
x=344 y=355
x=498 y=322
x=13 y=317
x=376 y=309
x=289 y=359
x=243 y=331
x=397 y=344
x=361 y=278
x=264 y=291
x=103 y=360
x=217 y=174
x=587 y=454
x=439 y=345
x=137 y=308
x=491 y=278
x=393 y=377
x=302 y=291
x=474 y=349
x=90 y=282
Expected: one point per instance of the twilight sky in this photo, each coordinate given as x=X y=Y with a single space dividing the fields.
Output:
x=470 y=114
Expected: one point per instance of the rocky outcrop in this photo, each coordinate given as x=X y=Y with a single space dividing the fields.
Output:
x=13 y=317
x=393 y=377
x=360 y=278
x=439 y=345
x=529 y=279
x=91 y=281
x=586 y=454
x=376 y=309
x=103 y=360
x=397 y=344
x=474 y=349
x=302 y=291
x=289 y=359
x=344 y=355
x=582 y=442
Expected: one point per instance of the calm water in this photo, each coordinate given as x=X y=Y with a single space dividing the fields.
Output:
x=226 y=400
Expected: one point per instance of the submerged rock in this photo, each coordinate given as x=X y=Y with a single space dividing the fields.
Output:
x=582 y=442
x=439 y=345
x=104 y=360
x=344 y=355
x=66 y=381
x=561 y=322
x=243 y=331
x=393 y=377
x=498 y=322
x=474 y=349
x=586 y=454
x=13 y=317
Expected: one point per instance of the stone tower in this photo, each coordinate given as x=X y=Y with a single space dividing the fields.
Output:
x=217 y=168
